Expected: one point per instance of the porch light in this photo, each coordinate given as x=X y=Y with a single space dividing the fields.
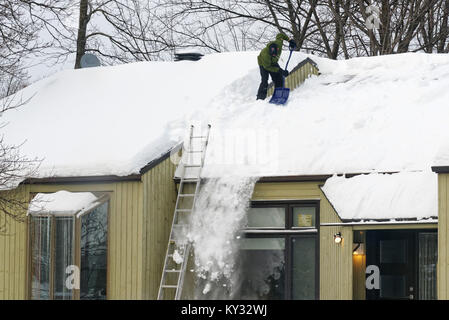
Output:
x=338 y=238
x=358 y=249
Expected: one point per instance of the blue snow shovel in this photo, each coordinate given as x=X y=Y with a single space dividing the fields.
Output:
x=280 y=95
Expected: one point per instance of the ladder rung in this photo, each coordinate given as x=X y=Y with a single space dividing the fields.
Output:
x=173 y=240
x=173 y=271
x=187 y=195
x=169 y=286
x=190 y=179
x=171 y=256
x=183 y=210
x=180 y=225
x=192 y=166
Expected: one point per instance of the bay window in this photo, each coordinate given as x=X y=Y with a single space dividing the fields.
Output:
x=61 y=240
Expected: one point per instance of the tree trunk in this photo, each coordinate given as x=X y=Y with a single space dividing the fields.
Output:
x=444 y=31
x=82 y=33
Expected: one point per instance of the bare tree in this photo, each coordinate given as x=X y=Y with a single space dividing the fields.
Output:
x=222 y=25
x=116 y=30
x=329 y=29
x=398 y=27
x=18 y=40
x=14 y=168
x=433 y=28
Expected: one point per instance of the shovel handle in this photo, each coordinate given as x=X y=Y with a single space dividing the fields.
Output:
x=291 y=51
x=283 y=78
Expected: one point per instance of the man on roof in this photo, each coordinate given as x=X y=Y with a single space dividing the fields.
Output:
x=268 y=64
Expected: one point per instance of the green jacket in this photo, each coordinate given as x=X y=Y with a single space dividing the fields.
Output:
x=265 y=60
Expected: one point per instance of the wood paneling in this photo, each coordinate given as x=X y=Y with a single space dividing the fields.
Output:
x=443 y=231
x=335 y=264
x=13 y=243
x=297 y=77
x=159 y=204
x=359 y=275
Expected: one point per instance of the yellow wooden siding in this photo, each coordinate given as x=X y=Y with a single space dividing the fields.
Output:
x=297 y=77
x=286 y=191
x=13 y=263
x=335 y=264
x=159 y=204
x=335 y=260
x=328 y=213
x=125 y=250
x=443 y=231
x=359 y=276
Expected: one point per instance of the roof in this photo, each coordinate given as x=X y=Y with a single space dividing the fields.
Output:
x=115 y=121
x=372 y=115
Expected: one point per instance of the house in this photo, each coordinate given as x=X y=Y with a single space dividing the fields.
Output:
x=345 y=204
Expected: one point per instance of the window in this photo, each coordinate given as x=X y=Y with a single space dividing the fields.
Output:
x=59 y=241
x=278 y=254
x=94 y=240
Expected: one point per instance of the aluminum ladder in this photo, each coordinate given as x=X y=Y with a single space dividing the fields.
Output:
x=178 y=248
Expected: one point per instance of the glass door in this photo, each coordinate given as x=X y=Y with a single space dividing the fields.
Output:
x=407 y=261
x=304 y=268
x=394 y=253
x=427 y=265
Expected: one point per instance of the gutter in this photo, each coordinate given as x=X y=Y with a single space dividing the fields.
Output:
x=83 y=179
x=377 y=223
x=440 y=169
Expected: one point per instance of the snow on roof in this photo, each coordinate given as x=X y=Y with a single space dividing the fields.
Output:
x=62 y=203
x=405 y=195
x=115 y=120
x=374 y=114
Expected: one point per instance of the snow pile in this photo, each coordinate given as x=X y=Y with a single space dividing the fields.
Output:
x=219 y=214
x=177 y=257
x=114 y=120
x=405 y=195
x=61 y=203
x=376 y=114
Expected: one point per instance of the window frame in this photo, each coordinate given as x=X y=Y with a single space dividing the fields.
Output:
x=289 y=233
x=103 y=197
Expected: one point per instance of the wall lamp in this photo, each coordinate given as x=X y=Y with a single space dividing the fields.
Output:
x=338 y=238
x=358 y=246
x=358 y=249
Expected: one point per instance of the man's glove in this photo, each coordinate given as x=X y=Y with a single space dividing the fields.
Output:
x=284 y=73
x=292 y=45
